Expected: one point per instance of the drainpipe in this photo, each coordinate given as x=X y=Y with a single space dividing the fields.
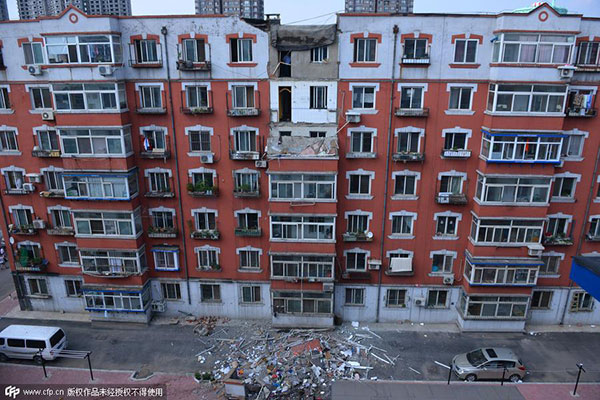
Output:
x=387 y=169
x=164 y=32
x=583 y=224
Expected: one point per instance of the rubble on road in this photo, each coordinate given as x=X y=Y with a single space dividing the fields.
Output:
x=267 y=363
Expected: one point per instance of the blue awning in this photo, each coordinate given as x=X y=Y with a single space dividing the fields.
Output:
x=585 y=271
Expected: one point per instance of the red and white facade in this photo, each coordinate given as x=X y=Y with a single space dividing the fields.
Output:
x=436 y=175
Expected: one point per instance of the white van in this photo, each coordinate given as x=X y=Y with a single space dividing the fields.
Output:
x=25 y=341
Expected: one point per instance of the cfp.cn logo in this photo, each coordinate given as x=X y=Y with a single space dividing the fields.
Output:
x=12 y=392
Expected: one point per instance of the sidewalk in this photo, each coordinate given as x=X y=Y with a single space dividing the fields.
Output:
x=178 y=386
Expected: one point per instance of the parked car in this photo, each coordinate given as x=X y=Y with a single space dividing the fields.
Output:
x=31 y=342
x=489 y=363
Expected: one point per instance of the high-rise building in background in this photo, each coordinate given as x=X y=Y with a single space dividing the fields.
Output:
x=243 y=8
x=3 y=10
x=30 y=9
x=380 y=6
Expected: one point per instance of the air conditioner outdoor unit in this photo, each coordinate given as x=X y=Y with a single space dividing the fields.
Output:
x=566 y=71
x=105 y=70
x=448 y=280
x=374 y=265
x=29 y=187
x=260 y=164
x=420 y=301
x=328 y=287
x=39 y=223
x=207 y=159
x=352 y=117
x=535 y=250
x=34 y=178
x=48 y=116
x=35 y=69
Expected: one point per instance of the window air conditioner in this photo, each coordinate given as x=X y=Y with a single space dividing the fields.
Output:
x=566 y=71
x=420 y=301
x=28 y=187
x=48 y=116
x=260 y=164
x=207 y=159
x=34 y=178
x=448 y=280
x=352 y=117
x=105 y=70
x=328 y=287
x=535 y=250
x=39 y=223
x=35 y=69
x=374 y=265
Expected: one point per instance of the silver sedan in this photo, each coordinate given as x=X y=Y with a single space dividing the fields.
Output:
x=489 y=363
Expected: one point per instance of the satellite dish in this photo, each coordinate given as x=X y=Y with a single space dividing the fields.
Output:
x=370 y=235
x=11 y=240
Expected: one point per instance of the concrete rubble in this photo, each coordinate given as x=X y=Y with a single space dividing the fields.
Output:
x=267 y=363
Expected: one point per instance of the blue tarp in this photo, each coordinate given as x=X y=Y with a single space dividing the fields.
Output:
x=585 y=271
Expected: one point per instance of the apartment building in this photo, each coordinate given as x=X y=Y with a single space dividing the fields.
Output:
x=3 y=11
x=31 y=9
x=379 y=6
x=254 y=9
x=369 y=170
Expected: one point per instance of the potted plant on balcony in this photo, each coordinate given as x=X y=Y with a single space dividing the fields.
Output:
x=202 y=188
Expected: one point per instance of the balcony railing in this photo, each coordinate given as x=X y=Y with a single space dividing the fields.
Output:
x=151 y=110
x=416 y=60
x=248 y=232
x=157 y=194
x=26 y=230
x=557 y=240
x=246 y=192
x=408 y=157
x=210 y=268
x=198 y=109
x=155 y=153
x=244 y=155
x=208 y=234
x=32 y=264
x=451 y=198
x=162 y=232
x=21 y=191
x=61 y=231
x=251 y=111
x=411 y=112
x=456 y=153
x=202 y=190
x=184 y=65
x=45 y=153
x=581 y=112
x=357 y=237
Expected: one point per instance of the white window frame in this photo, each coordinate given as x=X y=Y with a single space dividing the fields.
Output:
x=403 y=213
x=353 y=302
x=33 y=88
x=559 y=178
x=521 y=140
x=249 y=249
x=354 y=86
x=124 y=138
x=447 y=215
x=494 y=92
x=191 y=130
x=558 y=258
x=168 y=254
x=367 y=57
x=300 y=180
x=361 y=130
x=453 y=86
x=568 y=220
x=241 y=45
x=253 y=146
x=476 y=226
x=483 y=181
x=446 y=269
x=319 y=55
x=255 y=292
x=405 y=173
x=582 y=296
x=141 y=88
x=74 y=286
x=163 y=174
x=464 y=58
x=63 y=263
x=566 y=145
x=61 y=222
x=452 y=174
x=457 y=130
x=301 y=222
x=4 y=141
x=204 y=211
x=360 y=172
x=134 y=222
x=207 y=249
x=408 y=130
x=318 y=97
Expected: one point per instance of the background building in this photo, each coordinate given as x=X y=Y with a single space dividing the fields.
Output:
x=244 y=8
x=379 y=6
x=30 y=9
x=3 y=11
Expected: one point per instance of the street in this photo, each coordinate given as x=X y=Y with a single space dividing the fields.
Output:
x=549 y=357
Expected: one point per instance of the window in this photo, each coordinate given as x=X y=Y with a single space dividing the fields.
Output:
x=241 y=50
x=405 y=185
x=527 y=98
x=154 y=139
x=150 y=97
x=446 y=225
x=551 y=264
x=53 y=181
x=29 y=250
x=355 y=296
x=302 y=266
x=501 y=274
x=21 y=216
x=509 y=231
x=460 y=98
x=37 y=287
x=521 y=148
x=73 y=288
x=442 y=263
x=197 y=96
x=557 y=226
x=246 y=182
x=451 y=184
x=509 y=189
x=113 y=262
x=437 y=298
x=210 y=293
x=360 y=184
x=415 y=49
x=4 y=99
x=361 y=142
x=165 y=259
x=41 y=98
x=247 y=220
x=455 y=141
x=33 y=52
x=491 y=307
x=208 y=257
x=89 y=96
x=245 y=141
x=402 y=225
x=61 y=218
x=8 y=141
x=363 y=97
x=302 y=303
x=408 y=142
x=146 y=51
x=581 y=301
x=572 y=146
x=319 y=54
x=358 y=223
x=533 y=48
x=465 y=50
x=395 y=298
x=48 y=140
x=158 y=182
x=162 y=219
x=249 y=259
x=296 y=186
x=84 y=49
x=541 y=299
x=100 y=186
x=170 y=291
x=199 y=141
x=194 y=50
x=564 y=187
x=96 y=142
x=318 y=97
x=243 y=96
x=364 y=50
x=14 y=179
x=317 y=134
x=411 y=97
x=594 y=231
x=203 y=181
x=68 y=254
x=588 y=53
x=113 y=300
x=251 y=294
x=205 y=220
x=107 y=223
x=304 y=228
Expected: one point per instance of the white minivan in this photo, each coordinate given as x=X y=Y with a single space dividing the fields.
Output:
x=25 y=341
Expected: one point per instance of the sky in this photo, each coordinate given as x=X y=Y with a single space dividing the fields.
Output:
x=305 y=11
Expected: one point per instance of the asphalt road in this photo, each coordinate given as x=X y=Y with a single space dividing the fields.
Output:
x=550 y=357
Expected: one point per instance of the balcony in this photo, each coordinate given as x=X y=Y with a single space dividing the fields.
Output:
x=243 y=112
x=456 y=153
x=209 y=268
x=302 y=147
x=245 y=232
x=197 y=110
x=208 y=234
x=156 y=153
x=162 y=232
x=159 y=195
x=357 y=237
x=406 y=156
x=451 y=198
x=137 y=52
x=52 y=194
x=110 y=271
x=151 y=110
x=592 y=238
x=411 y=112
x=201 y=189
x=37 y=152
x=581 y=112
x=416 y=60
x=244 y=155
x=557 y=240
x=31 y=264
x=246 y=192
x=24 y=230
x=61 y=231
x=356 y=274
x=184 y=65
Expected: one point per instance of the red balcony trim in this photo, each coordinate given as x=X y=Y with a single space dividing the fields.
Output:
x=427 y=36
x=237 y=36
x=242 y=65
x=469 y=36
x=20 y=41
x=149 y=36
x=364 y=65
x=465 y=66
x=586 y=39
x=189 y=36
x=365 y=35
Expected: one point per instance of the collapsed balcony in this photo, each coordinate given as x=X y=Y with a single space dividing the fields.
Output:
x=302 y=147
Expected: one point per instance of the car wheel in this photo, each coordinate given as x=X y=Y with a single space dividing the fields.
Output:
x=471 y=378
x=3 y=357
x=515 y=378
x=37 y=359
